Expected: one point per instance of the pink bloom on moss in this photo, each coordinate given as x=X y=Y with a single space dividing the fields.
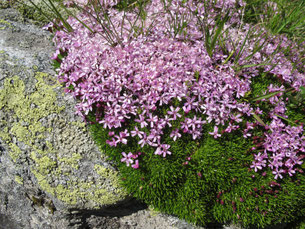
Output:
x=174 y=112
x=142 y=121
x=122 y=137
x=135 y=165
x=278 y=173
x=127 y=158
x=215 y=132
x=112 y=142
x=137 y=132
x=175 y=134
x=163 y=150
x=143 y=140
x=257 y=165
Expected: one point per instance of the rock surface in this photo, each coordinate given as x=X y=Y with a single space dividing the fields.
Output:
x=52 y=174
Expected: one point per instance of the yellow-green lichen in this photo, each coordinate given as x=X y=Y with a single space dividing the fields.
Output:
x=15 y=152
x=72 y=161
x=153 y=211
x=107 y=174
x=45 y=165
x=27 y=10
x=19 y=180
x=27 y=110
x=79 y=124
x=5 y=24
x=4 y=135
x=13 y=99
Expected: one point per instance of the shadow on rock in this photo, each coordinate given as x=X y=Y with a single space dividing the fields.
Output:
x=106 y=217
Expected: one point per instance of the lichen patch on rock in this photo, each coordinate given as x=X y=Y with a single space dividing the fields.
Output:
x=35 y=128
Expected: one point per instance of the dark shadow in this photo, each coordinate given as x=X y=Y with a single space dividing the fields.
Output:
x=7 y=223
x=118 y=210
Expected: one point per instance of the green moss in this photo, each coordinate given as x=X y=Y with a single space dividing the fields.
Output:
x=217 y=183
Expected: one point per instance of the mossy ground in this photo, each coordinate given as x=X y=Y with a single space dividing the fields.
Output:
x=216 y=184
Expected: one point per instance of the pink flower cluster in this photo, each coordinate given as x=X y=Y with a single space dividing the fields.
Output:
x=129 y=159
x=162 y=67
x=284 y=148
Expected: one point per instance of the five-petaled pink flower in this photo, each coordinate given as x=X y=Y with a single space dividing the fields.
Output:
x=174 y=112
x=127 y=158
x=215 y=132
x=163 y=150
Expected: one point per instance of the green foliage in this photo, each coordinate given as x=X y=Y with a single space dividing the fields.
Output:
x=209 y=179
x=279 y=16
x=216 y=184
x=5 y=4
x=38 y=14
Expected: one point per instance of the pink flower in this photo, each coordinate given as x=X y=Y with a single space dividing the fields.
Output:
x=215 y=132
x=127 y=158
x=143 y=141
x=175 y=134
x=153 y=120
x=141 y=120
x=256 y=165
x=113 y=142
x=174 y=112
x=122 y=137
x=136 y=165
x=278 y=173
x=137 y=132
x=81 y=2
x=163 y=150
